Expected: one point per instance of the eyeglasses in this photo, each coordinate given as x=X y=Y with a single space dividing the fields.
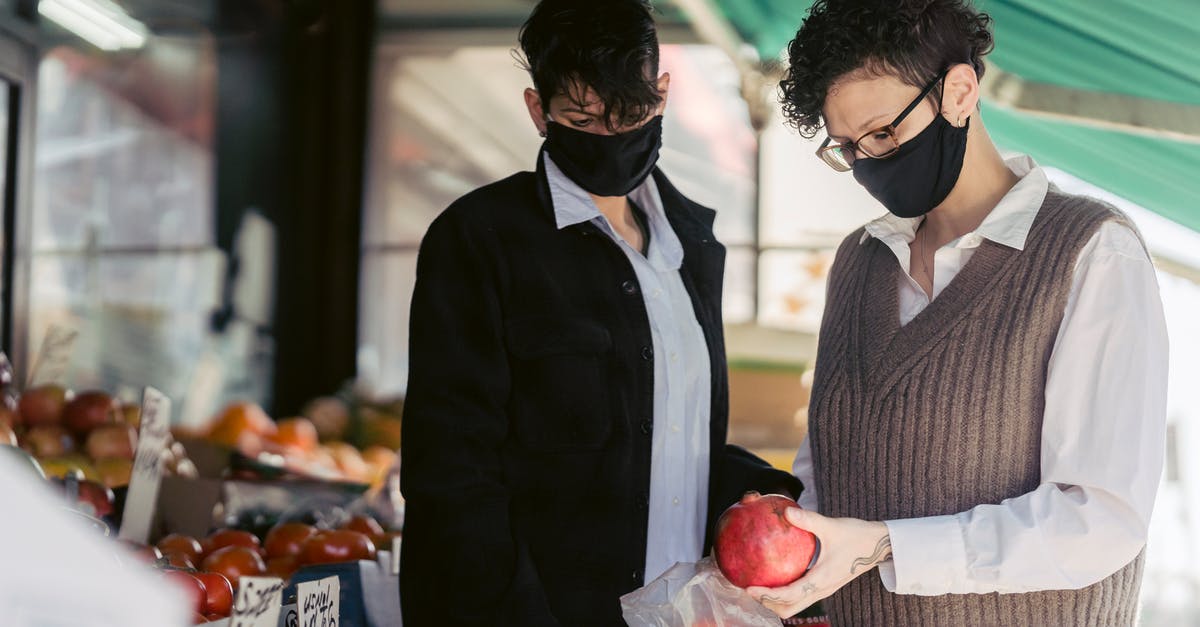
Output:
x=880 y=143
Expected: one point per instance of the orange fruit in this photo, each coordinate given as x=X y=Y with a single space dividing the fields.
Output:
x=238 y=419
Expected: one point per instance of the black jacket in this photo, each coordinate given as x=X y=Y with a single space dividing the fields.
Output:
x=526 y=438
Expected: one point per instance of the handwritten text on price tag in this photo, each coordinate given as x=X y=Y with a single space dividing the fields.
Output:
x=319 y=602
x=258 y=602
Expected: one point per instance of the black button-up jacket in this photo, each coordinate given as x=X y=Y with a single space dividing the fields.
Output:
x=528 y=421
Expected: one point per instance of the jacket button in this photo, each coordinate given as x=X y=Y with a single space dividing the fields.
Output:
x=629 y=287
x=643 y=501
x=647 y=427
x=636 y=576
x=647 y=353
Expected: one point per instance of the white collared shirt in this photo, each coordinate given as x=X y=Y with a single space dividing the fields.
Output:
x=1103 y=430
x=679 y=461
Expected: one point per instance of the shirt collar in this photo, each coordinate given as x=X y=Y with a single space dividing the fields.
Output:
x=573 y=205
x=1008 y=223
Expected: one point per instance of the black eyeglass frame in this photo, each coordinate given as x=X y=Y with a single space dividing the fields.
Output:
x=854 y=147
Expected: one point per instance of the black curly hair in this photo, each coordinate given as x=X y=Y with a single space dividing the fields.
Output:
x=610 y=46
x=913 y=40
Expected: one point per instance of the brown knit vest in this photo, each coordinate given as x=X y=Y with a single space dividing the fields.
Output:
x=945 y=413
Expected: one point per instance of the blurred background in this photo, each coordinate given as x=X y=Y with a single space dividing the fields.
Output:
x=224 y=198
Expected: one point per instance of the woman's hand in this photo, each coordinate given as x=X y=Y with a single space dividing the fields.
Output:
x=849 y=548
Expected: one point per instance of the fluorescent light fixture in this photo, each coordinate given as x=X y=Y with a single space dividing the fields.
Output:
x=100 y=22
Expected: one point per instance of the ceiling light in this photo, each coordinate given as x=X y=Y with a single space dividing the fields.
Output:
x=100 y=22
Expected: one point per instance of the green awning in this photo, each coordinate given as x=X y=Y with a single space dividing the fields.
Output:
x=1146 y=50
x=1161 y=175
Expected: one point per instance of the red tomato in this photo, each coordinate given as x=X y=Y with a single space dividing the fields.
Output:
x=235 y=562
x=222 y=538
x=288 y=539
x=365 y=525
x=220 y=593
x=340 y=545
x=147 y=554
x=179 y=543
x=283 y=567
x=193 y=587
x=180 y=561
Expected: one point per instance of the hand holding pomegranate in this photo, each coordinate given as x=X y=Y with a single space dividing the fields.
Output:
x=849 y=548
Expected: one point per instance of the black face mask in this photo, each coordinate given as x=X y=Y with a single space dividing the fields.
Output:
x=920 y=175
x=605 y=165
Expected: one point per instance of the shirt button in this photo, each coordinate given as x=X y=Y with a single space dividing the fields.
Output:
x=657 y=293
x=629 y=287
x=647 y=353
x=674 y=356
x=647 y=427
x=674 y=428
x=675 y=500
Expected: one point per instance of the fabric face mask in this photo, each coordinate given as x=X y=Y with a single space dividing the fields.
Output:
x=921 y=174
x=605 y=165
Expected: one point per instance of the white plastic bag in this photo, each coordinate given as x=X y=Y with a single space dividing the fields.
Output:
x=694 y=595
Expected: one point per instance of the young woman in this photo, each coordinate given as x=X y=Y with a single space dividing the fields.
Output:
x=988 y=416
x=564 y=432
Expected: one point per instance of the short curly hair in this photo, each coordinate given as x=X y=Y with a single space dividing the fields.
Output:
x=913 y=40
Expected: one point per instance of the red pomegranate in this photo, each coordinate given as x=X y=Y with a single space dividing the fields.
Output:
x=757 y=546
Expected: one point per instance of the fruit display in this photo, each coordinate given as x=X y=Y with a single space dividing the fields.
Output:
x=91 y=433
x=307 y=447
x=756 y=546
x=83 y=446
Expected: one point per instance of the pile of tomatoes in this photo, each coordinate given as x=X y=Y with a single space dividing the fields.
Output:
x=208 y=569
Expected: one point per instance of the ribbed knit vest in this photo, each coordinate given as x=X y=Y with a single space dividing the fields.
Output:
x=945 y=413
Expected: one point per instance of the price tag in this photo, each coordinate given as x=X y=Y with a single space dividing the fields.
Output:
x=153 y=438
x=289 y=616
x=258 y=603
x=319 y=602
x=54 y=356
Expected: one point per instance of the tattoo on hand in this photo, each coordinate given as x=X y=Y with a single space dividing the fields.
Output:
x=882 y=550
x=806 y=590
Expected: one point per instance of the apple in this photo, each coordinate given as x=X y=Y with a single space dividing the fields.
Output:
x=756 y=545
x=87 y=411
x=43 y=405
x=48 y=441
x=114 y=472
x=112 y=441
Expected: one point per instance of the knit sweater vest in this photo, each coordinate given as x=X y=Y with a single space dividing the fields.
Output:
x=945 y=413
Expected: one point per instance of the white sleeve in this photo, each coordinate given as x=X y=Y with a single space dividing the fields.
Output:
x=1103 y=439
x=803 y=469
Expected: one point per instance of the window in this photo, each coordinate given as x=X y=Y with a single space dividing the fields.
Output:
x=122 y=236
